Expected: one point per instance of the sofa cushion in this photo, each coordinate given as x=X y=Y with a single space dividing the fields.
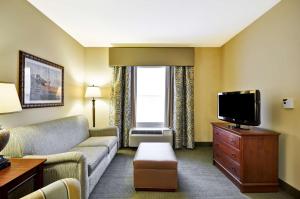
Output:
x=108 y=141
x=47 y=138
x=93 y=155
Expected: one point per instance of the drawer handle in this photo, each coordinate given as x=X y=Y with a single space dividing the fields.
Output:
x=233 y=155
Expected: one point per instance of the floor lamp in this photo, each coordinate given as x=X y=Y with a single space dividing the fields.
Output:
x=93 y=92
x=9 y=103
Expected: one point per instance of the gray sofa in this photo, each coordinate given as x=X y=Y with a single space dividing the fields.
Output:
x=72 y=149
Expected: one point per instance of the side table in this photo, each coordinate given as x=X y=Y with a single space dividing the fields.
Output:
x=20 y=171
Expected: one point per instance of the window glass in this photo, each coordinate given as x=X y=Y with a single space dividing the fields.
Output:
x=150 y=96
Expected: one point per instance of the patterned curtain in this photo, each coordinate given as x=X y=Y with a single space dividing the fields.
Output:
x=182 y=119
x=122 y=102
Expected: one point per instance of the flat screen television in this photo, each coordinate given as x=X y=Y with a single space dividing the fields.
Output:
x=240 y=107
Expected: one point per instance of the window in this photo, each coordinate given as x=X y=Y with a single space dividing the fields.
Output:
x=151 y=99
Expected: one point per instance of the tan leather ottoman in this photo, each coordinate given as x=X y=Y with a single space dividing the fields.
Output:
x=155 y=167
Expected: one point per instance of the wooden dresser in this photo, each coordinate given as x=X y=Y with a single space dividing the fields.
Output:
x=249 y=158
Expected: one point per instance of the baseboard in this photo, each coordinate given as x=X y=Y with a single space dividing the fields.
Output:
x=289 y=189
x=203 y=144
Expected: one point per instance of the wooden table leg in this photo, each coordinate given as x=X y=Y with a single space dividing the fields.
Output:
x=39 y=178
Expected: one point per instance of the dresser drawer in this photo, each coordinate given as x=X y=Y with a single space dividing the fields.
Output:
x=227 y=137
x=228 y=164
x=231 y=152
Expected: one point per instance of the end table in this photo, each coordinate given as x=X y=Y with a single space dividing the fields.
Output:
x=20 y=171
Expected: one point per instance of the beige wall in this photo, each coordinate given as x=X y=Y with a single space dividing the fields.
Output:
x=151 y=56
x=98 y=73
x=207 y=84
x=25 y=28
x=265 y=56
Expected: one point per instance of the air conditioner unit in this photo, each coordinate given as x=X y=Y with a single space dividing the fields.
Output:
x=138 y=135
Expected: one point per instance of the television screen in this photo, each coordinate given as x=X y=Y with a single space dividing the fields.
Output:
x=242 y=107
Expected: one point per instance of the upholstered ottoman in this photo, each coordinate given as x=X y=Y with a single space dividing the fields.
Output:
x=155 y=167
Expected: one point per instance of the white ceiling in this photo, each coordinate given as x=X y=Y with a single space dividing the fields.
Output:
x=194 y=23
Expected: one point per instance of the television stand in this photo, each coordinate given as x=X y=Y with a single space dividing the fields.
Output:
x=249 y=158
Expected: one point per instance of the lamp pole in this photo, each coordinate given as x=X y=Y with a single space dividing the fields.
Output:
x=93 y=100
x=93 y=92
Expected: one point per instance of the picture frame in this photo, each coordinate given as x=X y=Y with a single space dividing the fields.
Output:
x=41 y=82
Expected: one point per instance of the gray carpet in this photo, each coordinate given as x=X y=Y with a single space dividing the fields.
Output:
x=198 y=178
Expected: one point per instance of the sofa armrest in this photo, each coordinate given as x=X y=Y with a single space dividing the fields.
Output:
x=66 y=165
x=59 y=157
x=70 y=187
x=110 y=131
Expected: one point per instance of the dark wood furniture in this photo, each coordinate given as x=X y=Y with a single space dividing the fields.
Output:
x=249 y=158
x=19 y=172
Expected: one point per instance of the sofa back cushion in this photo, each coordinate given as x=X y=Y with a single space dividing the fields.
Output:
x=46 y=138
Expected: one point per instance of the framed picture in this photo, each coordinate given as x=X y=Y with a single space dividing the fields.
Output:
x=41 y=82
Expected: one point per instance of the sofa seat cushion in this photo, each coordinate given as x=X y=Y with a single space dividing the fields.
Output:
x=107 y=141
x=93 y=155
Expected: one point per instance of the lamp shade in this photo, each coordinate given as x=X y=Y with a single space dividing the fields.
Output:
x=92 y=91
x=9 y=100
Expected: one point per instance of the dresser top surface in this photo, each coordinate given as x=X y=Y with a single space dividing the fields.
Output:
x=244 y=132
